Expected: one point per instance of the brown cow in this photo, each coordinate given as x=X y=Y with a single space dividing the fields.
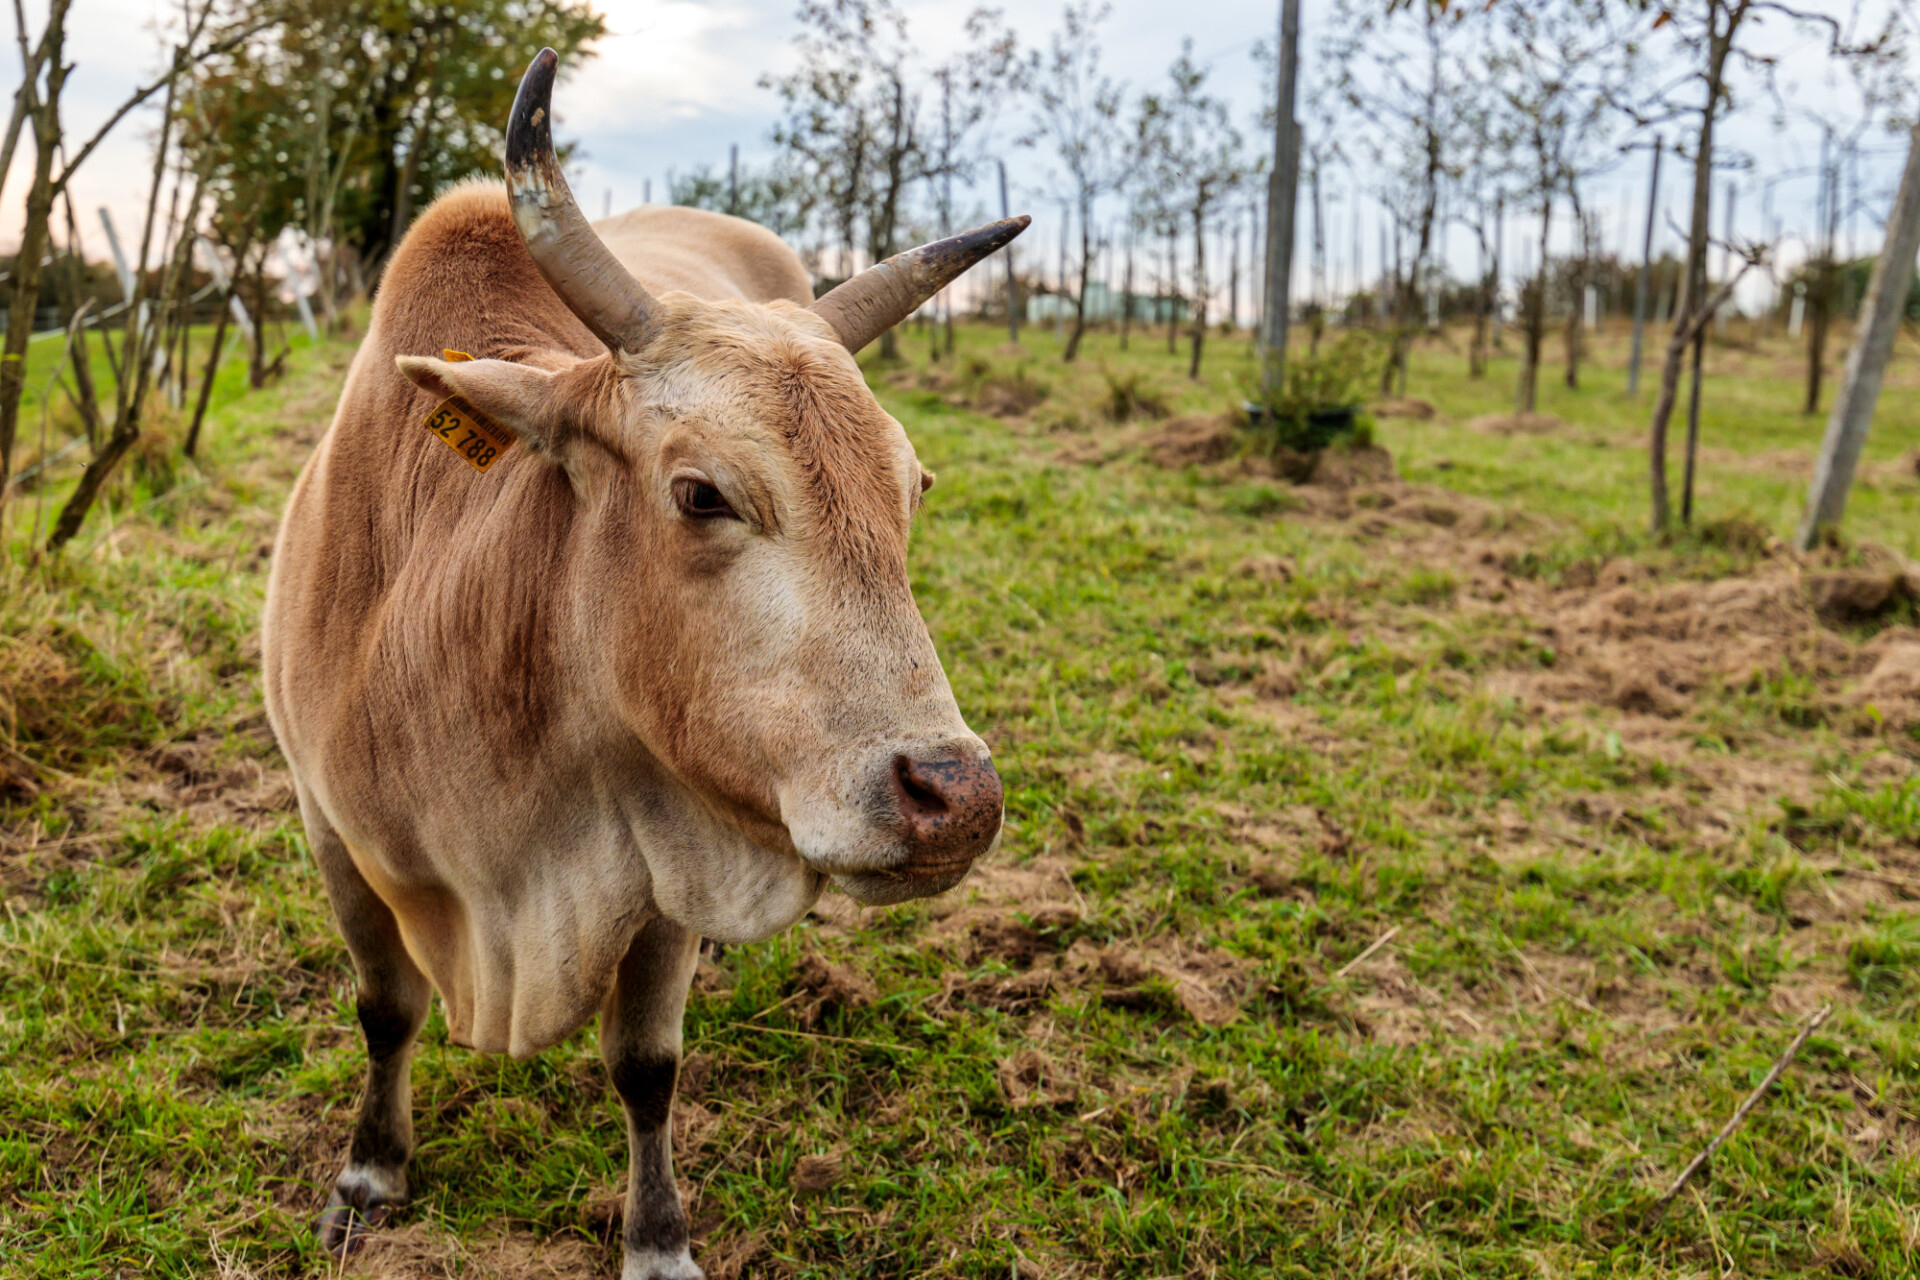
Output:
x=655 y=674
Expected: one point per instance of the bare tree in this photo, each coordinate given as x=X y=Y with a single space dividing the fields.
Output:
x=852 y=128
x=1709 y=41
x=140 y=339
x=1476 y=198
x=1557 y=69
x=1188 y=144
x=45 y=70
x=1405 y=69
x=1077 y=110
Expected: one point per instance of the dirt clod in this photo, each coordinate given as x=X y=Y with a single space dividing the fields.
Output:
x=827 y=987
x=1276 y=680
x=1031 y=1079
x=1019 y=942
x=1893 y=686
x=817 y=1173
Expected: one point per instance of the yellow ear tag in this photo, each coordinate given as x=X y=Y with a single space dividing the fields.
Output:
x=465 y=431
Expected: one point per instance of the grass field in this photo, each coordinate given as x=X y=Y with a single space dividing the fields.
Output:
x=1401 y=878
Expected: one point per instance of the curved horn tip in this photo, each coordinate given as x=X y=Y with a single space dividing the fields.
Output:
x=530 y=123
x=1006 y=230
x=580 y=269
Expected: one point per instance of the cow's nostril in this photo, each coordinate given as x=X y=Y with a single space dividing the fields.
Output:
x=919 y=793
x=949 y=809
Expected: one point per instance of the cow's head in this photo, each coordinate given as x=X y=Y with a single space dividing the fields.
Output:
x=742 y=510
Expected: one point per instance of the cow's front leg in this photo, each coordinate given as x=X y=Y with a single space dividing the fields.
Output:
x=640 y=1042
x=393 y=999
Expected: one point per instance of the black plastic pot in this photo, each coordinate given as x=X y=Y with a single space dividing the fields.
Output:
x=1324 y=424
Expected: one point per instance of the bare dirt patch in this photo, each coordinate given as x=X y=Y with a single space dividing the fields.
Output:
x=1403 y=407
x=1516 y=424
x=1189 y=441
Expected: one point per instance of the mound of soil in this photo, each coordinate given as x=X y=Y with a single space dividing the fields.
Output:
x=1190 y=441
x=1402 y=407
x=1647 y=650
x=1007 y=399
x=1844 y=599
x=1893 y=686
x=1516 y=424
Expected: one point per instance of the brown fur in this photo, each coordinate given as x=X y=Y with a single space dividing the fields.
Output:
x=537 y=706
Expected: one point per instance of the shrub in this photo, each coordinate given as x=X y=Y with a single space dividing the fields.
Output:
x=1133 y=395
x=1322 y=396
x=1002 y=392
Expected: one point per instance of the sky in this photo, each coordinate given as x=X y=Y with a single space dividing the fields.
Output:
x=676 y=83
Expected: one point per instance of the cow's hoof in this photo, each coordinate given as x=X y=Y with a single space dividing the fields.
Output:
x=362 y=1201
x=660 y=1264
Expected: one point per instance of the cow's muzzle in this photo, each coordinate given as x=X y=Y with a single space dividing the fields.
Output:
x=949 y=811
x=940 y=809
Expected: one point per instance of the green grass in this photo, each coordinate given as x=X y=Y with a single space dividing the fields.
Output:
x=1608 y=924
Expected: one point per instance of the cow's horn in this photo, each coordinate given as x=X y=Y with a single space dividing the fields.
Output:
x=883 y=295
x=581 y=269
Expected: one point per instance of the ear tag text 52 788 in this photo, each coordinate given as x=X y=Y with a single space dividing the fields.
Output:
x=465 y=431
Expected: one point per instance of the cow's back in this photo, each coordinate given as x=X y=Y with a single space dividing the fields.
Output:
x=710 y=255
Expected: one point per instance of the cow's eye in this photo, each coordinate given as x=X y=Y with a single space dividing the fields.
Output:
x=699 y=500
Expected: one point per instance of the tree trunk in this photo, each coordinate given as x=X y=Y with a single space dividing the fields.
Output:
x=1694 y=279
x=257 y=355
x=1643 y=281
x=1199 y=289
x=192 y=445
x=1390 y=306
x=1577 y=293
x=35 y=239
x=1126 y=294
x=1086 y=271
x=1867 y=363
x=1819 y=306
x=1576 y=323
x=1173 y=288
x=1529 y=394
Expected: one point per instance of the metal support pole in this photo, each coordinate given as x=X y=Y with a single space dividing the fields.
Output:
x=1282 y=185
x=1867 y=362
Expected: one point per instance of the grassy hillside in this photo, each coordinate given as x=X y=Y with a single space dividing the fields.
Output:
x=1403 y=877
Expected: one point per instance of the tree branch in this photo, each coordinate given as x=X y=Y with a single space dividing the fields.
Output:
x=183 y=57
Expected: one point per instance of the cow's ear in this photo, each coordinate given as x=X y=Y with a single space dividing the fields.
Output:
x=518 y=397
